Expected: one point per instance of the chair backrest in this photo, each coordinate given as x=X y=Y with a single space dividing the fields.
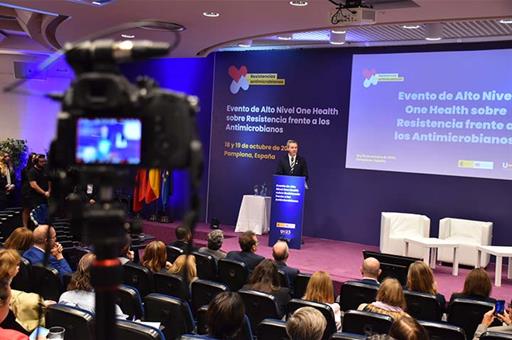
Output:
x=495 y=336
x=204 y=291
x=467 y=314
x=283 y=279
x=46 y=282
x=173 y=253
x=323 y=308
x=367 y=323
x=23 y=280
x=468 y=228
x=348 y=336
x=73 y=255
x=206 y=266
x=259 y=306
x=128 y=330
x=404 y=224
x=129 y=300
x=300 y=285
x=173 y=313
x=423 y=306
x=171 y=284
x=139 y=277
x=39 y=215
x=272 y=329
x=233 y=273
x=441 y=331
x=353 y=293
x=79 y=324
x=395 y=271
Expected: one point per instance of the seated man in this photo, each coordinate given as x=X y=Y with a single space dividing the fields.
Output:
x=183 y=237
x=215 y=240
x=35 y=254
x=280 y=254
x=370 y=270
x=249 y=244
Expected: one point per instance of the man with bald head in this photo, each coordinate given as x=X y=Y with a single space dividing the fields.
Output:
x=370 y=270
x=42 y=240
x=280 y=254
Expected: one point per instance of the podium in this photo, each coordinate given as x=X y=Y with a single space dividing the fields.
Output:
x=287 y=210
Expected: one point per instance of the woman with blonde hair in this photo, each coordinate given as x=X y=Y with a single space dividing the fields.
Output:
x=320 y=289
x=390 y=300
x=155 y=257
x=7 y=181
x=20 y=239
x=421 y=279
x=182 y=263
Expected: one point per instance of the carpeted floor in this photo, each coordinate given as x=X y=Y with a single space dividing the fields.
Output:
x=341 y=259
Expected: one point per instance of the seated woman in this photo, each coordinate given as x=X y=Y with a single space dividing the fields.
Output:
x=477 y=286
x=225 y=316
x=265 y=278
x=320 y=289
x=20 y=239
x=80 y=292
x=421 y=279
x=390 y=300
x=407 y=328
x=182 y=263
x=155 y=257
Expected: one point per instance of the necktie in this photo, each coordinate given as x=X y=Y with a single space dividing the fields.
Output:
x=292 y=165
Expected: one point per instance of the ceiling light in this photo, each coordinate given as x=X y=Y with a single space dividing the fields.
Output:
x=285 y=37
x=298 y=3
x=245 y=43
x=434 y=31
x=128 y=36
x=506 y=21
x=411 y=27
x=211 y=14
x=337 y=38
x=338 y=31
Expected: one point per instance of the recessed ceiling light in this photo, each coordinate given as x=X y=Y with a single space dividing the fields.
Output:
x=411 y=27
x=285 y=37
x=506 y=21
x=336 y=42
x=337 y=38
x=339 y=31
x=127 y=36
x=298 y=3
x=245 y=43
x=211 y=14
x=433 y=39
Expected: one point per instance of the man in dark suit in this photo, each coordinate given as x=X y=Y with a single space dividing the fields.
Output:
x=370 y=270
x=280 y=254
x=183 y=237
x=292 y=164
x=249 y=244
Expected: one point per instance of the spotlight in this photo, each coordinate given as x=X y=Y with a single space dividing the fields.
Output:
x=298 y=3
x=245 y=43
x=338 y=31
x=214 y=223
x=434 y=31
x=211 y=14
x=411 y=27
x=128 y=36
x=337 y=38
x=285 y=37
x=506 y=21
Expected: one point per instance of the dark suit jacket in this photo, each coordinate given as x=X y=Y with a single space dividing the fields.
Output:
x=370 y=282
x=251 y=260
x=300 y=168
x=182 y=245
x=289 y=271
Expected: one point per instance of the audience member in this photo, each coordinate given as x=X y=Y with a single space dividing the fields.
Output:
x=407 y=328
x=21 y=239
x=183 y=238
x=185 y=264
x=306 y=323
x=7 y=181
x=126 y=254
x=280 y=253
x=155 y=257
x=390 y=300
x=489 y=318
x=265 y=278
x=39 y=182
x=248 y=245
x=320 y=289
x=45 y=237
x=370 y=270
x=226 y=313
x=5 y=298
x=80 y=291
x=25 y=190
x=477 y=286
x=215 y=240
x=421 y=279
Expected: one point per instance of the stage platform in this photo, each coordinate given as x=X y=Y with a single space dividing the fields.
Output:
x=342 y=260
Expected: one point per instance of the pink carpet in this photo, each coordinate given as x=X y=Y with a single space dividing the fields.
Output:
x=341 y=259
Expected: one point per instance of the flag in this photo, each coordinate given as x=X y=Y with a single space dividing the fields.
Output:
x=139 y=190
x=153 y=185
x=164 y=191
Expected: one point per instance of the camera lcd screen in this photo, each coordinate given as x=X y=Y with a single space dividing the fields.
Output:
x=115 y=141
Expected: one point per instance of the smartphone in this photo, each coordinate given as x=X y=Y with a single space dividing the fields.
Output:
x=499 y=308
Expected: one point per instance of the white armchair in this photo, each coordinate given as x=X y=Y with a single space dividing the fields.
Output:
x=468 y=234
x=394 y=227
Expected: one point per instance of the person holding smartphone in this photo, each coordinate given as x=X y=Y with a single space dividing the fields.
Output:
x=498 y=312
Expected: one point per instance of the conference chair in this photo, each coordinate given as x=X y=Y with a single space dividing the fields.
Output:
x=467 y=314
x=233 y=274
x=202 y=320
x=300 y=285
x=272 y=329
x=204 y=291
x=66 y=279
x=129 y=330
x=79 y=324
x=139 y=277
x=348 y=336
x=323 y=308
x=128 y=299
x=206 y=266
x=46 y=282
x=259 y=306
x=173 y=253
x=423 y=306
x=39 y=215
x=171 y=284
x=173 y=313
x=354 y=293
x=73 y=254
x=23 y=280
x=283 y=279
x=495 y=336
x=468 y=234
x=442 y=331
x=366 y=323
x=394 y=227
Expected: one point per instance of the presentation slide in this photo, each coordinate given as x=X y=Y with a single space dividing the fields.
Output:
x=445 y=113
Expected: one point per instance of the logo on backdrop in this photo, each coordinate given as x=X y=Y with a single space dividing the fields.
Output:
x=242 y=79
x=371 y=77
